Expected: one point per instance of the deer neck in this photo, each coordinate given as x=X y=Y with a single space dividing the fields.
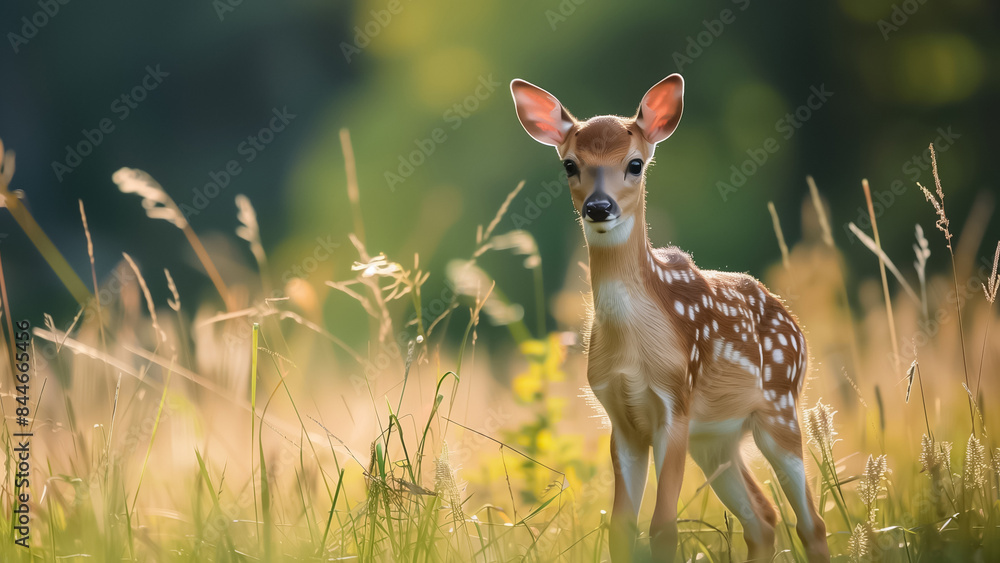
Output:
x=625 y=263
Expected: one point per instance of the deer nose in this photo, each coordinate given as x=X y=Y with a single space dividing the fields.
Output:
x=598 y=210
x=598 y=207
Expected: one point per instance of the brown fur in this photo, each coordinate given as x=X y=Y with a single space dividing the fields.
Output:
x=673 y=347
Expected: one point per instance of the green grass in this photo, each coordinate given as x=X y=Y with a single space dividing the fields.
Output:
x=418 y=453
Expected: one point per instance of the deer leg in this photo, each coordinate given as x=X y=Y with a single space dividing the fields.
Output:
x=782 y=446
x=716 y=450
x=631 y=464
x=670 y=449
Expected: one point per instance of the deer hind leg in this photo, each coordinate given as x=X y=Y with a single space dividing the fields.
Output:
x=776 y=428
x=715 y=448
x=630 y=458
x=782 y=446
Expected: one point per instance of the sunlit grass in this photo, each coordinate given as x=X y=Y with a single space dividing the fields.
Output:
x=421 y=448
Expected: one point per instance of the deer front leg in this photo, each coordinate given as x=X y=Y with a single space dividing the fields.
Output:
x=670 y=449
x=631 y=464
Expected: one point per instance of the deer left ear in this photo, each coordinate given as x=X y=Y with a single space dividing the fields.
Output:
x=661 y=108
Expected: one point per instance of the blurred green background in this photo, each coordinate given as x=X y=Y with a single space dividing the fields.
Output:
x=406 y=74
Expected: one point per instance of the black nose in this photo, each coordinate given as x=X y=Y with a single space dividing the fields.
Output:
x=597 y=210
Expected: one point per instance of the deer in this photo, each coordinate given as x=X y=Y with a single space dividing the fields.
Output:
x=683 y=360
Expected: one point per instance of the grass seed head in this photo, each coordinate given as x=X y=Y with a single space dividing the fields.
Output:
x=996 y=464
x=859 y=544
x=991 y=285
x=155 y=201
x=938 y=202
x=6 y=167
x=249 y=229
x=819 y=424
x=870 y=484
x=446 y=482
x=909 y=378
x=922 y=250
x=935 y=456
x=174 y=303
x=975 y=470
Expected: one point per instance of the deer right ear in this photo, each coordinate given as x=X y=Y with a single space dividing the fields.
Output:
x=541 y=114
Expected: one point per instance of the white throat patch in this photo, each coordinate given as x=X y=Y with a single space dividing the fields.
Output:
x=612 y=301
x=614 y=235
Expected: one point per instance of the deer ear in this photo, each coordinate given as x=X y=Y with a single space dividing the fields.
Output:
x=661 y=108
x=541 y=114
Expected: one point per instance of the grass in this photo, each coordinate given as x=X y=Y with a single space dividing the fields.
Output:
x=419 y=449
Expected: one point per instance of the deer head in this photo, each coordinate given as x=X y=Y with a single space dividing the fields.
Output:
x=606 y=156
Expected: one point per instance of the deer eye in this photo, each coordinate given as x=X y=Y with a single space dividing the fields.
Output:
x=571 y=168
x=635 y=167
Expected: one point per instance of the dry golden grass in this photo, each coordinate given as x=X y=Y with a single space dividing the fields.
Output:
x=420 y=448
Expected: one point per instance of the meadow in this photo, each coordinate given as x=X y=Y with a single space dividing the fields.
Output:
x=241 y=427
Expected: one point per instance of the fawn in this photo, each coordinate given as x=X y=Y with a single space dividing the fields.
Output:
x=682 y=359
